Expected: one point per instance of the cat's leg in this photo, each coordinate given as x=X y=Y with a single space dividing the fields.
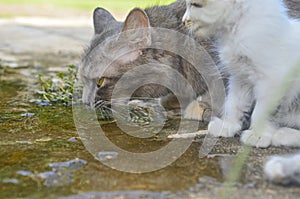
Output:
x=271 y=133
x=261 y=130
x=199 y=109
x=259 y=135
x=288 y=116
x=238 y=103
x=283 y=170
x=261 y=138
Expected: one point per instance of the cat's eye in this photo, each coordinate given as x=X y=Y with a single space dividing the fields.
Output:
x=100 y=82
x=196 y=5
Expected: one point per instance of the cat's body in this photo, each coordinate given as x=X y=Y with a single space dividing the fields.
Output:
x=95 y=58
x=259 y=46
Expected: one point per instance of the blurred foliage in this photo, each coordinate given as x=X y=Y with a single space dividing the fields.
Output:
x=58 y=89
x=117 y=5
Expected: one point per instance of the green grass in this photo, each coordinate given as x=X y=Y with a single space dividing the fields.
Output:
x=117 y=5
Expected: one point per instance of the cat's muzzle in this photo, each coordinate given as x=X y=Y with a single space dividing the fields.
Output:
x=188 y=23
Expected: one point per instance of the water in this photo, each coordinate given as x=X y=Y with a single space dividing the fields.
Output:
x=36 y=140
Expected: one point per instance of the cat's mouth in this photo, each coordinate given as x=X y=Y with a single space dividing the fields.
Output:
x=194 y=27
x=136 y=112
x=188 y=23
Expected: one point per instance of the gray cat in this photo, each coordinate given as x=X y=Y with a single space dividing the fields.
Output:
x=106 y=49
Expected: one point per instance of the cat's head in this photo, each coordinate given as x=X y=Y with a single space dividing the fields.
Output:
x=204 y=17
x=115 y=49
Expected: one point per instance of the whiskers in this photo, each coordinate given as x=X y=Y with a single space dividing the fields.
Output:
x=99 y=104
x=103 y=110
x=190 y=30
x=139 y=110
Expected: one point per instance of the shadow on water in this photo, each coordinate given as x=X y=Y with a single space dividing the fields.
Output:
x=32 y=137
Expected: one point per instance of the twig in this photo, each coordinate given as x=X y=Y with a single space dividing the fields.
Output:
x=188 y=135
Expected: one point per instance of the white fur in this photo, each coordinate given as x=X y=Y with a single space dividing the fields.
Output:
x=199 y=109
x=258 y=45
x=283 y=170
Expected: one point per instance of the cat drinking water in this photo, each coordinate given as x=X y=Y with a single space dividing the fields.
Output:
x=99 y=83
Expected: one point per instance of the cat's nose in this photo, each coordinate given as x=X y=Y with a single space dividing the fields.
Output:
x=88 y=107
x=87 y=103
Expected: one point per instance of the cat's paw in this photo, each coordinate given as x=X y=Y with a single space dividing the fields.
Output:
x=263 y=140
x=286 y=137
x=223 y=128
x=275 y=170
x=283 y=169
x=197 y=111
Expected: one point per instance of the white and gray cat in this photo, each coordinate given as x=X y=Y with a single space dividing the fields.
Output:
x=259 y=46
x=104 y=48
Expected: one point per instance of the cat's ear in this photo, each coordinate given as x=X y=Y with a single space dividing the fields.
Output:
x=102 y=18
x=138 y=20
x=136 y=33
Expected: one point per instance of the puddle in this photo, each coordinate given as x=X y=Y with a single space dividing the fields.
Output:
x=38 y=142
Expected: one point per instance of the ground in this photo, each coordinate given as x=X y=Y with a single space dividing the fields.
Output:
x=50 y=45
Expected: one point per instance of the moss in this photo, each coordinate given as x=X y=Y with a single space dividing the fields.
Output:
x=59 y=89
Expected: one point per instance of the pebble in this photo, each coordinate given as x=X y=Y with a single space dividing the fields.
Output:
x=107 y=155
x=12 y=181
x=27 y=114
x=58 y=179
x=24 y=142
x=40 y=102
x=62 y=173
x=69 y=166
x=25 y=173
x=74 y=139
